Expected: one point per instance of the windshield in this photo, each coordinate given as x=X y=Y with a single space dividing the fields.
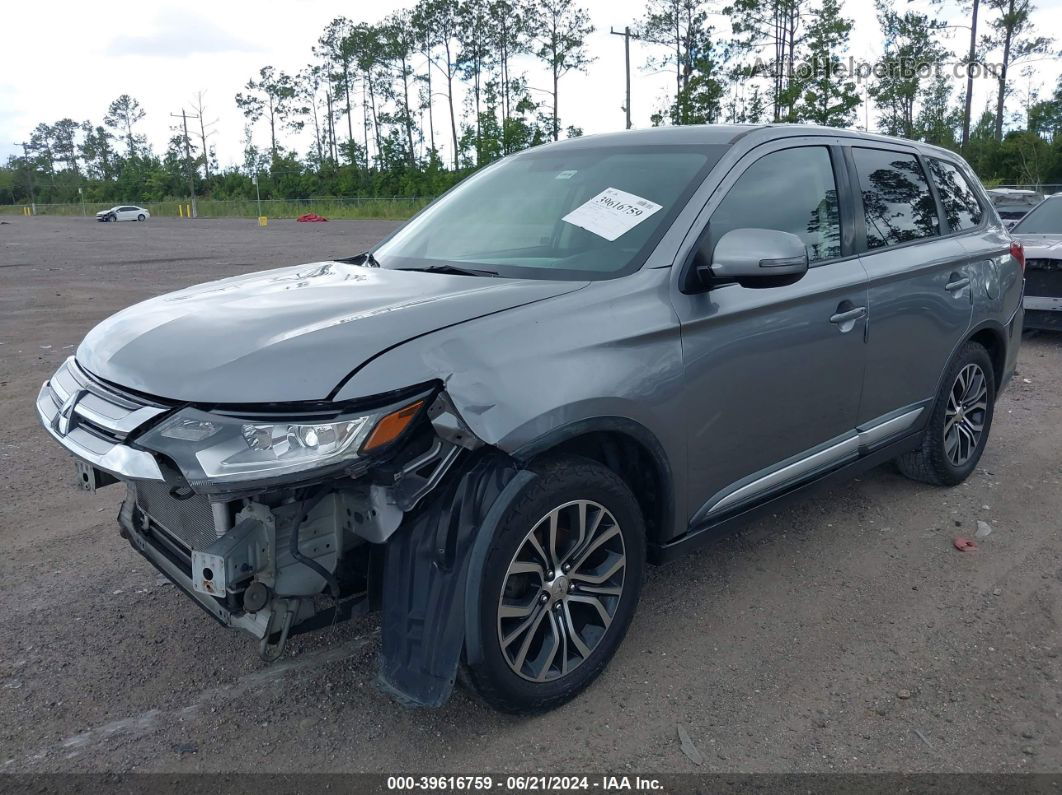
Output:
x=558 y=213
x=1044 y=219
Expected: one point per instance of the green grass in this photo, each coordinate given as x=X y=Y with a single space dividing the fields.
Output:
x=332 y=208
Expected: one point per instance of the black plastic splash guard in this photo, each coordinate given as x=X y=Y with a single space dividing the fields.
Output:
x=426 y=567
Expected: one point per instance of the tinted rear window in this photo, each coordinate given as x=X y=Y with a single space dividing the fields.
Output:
x=897 y=203
x=962 y=210
x=1045 y=219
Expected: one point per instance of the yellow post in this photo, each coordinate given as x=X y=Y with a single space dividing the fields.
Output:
x=263 y=221
x=187 y=211
x=180 y=211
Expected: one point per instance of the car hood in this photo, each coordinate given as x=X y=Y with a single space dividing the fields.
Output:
x=287 y=335
x=1041 y=246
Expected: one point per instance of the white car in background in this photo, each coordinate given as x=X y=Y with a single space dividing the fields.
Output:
x=124 y=212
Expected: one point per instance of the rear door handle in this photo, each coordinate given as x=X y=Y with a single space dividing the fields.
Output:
x=850 y=315
x=957 y=284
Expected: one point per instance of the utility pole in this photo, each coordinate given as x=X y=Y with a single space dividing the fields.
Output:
x=29 y=169
x=257 y=192
x=188 y=157
x=626 y=34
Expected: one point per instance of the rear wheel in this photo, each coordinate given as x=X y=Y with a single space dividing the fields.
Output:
x=957 y=432
x=560 y=585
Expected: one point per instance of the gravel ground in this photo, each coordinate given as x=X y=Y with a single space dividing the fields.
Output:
x=846 y=634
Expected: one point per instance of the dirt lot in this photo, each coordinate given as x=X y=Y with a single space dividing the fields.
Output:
x=844 y=635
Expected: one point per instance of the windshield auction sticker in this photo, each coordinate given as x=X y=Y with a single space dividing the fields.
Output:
x=611 y=213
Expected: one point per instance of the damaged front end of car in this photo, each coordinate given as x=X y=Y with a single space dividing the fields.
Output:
x=282 y=518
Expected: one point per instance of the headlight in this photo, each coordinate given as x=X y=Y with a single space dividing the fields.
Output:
x=214 y=448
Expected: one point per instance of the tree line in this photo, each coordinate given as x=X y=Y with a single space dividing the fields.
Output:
x=411 y=104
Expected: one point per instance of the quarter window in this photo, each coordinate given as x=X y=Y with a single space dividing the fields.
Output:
x=897 y=203
x=961 y=208
x=792 y=190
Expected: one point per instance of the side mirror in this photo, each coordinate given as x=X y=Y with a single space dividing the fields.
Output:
x=753 y=258
x=744 y=254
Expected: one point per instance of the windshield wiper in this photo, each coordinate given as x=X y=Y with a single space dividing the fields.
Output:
x=452 y=269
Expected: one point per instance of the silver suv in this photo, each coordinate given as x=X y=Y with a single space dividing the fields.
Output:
x=588 y=356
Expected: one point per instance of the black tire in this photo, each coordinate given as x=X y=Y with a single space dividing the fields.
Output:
x=931 y=462
x=562 y=480
x=140 y=217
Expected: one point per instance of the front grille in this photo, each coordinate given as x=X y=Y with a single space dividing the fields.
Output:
x=188 y=521
x=102 y=411
x=1037 y=264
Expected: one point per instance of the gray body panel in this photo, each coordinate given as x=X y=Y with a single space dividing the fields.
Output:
x=285 y=335
x=733 y=385
x=915 y=321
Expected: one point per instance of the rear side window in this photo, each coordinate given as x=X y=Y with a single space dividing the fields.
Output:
x=792 y=190
x=897 y=202
x=961 y=208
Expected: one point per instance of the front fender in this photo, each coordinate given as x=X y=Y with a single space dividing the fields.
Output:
x=610 y=350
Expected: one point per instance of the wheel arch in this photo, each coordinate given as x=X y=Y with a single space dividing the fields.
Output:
x=994 y=340
x=628 y=449
x=992 y=337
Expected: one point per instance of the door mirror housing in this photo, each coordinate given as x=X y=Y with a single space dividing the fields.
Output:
x=752 y=258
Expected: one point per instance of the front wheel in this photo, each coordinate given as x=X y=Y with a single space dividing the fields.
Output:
x=957 y=431
x=140 y=217
x=559 y=587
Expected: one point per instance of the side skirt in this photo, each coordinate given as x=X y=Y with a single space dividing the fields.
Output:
x=718 y=526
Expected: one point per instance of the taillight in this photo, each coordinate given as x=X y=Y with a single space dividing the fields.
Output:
x=1017 y=250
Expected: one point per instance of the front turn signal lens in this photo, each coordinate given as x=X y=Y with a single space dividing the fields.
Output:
x=392 y=426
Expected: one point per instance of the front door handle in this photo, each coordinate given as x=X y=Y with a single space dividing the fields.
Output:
x=847 y=317
x=956 y=284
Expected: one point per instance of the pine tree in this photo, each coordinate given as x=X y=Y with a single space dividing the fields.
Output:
x=827 y=96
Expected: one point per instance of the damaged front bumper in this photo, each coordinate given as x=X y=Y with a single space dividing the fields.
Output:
x=278 y=559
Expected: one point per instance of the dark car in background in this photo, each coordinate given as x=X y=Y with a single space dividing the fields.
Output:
x=1041 y=233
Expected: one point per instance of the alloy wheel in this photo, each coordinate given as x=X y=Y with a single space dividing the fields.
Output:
x=561 y=590
x=964 y=417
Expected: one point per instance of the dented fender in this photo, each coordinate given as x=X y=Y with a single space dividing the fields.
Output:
x=610 y=351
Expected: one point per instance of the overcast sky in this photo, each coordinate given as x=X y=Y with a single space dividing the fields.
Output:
x=62 y=58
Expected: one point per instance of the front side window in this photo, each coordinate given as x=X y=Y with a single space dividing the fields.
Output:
x=897 y=202
x=792 y=190
x=575 y=212
x=961 y=208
